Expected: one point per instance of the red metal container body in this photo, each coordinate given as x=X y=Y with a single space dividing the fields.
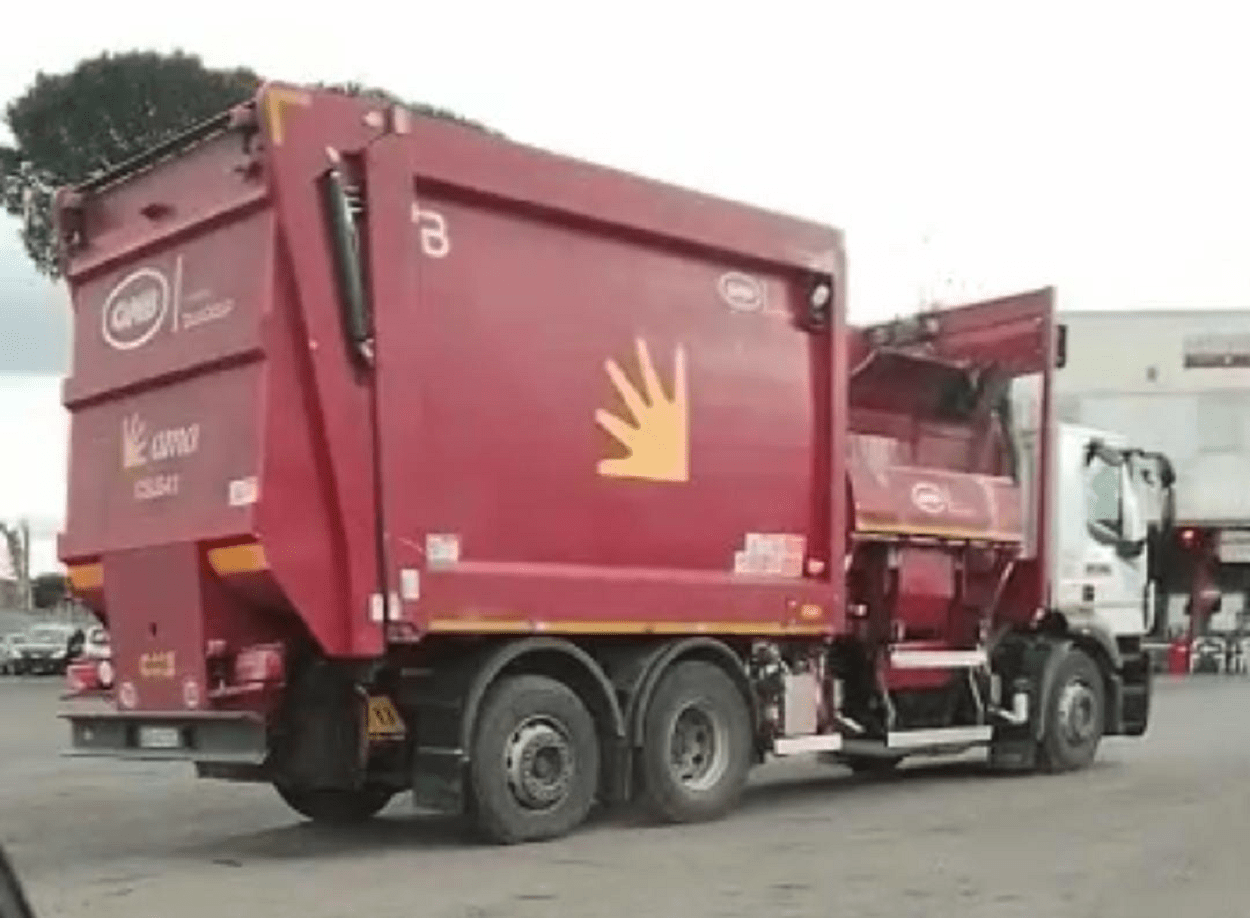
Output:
x=598 y=404
x=552 y=317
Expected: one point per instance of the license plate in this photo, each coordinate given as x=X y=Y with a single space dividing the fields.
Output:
x=160 y=737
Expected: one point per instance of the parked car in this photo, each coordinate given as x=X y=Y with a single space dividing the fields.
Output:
x=49 y=648
x=11 y=661
x=92 y=672
x=1208 y=655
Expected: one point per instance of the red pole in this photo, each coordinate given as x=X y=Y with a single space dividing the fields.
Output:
x=1203 y=586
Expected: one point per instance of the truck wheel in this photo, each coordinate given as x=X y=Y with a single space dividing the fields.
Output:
x=535 y=761
x=696 y=747
x=1075 y=715
x=334 y=806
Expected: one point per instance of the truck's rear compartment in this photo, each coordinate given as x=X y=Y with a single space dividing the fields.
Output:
x=174 y=292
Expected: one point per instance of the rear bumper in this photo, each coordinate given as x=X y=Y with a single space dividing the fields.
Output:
x=227 y=738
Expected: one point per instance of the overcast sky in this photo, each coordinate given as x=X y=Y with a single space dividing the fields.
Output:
x=966 y=148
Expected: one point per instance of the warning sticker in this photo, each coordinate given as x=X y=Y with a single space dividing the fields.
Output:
x=384 y=721
x=442 y=549
x=771 y=555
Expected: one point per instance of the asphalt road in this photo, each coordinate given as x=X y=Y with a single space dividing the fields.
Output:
x=1157 y=828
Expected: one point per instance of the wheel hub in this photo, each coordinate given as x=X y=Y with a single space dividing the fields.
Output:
x=698 y=754
x=1078 y=714
x=540 y=763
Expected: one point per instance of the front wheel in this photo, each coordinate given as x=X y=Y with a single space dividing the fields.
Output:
x=535 y=761
x=1075 y=714
x=696 y=750
x=335 y=806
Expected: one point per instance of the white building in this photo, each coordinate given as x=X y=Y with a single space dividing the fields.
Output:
x=1177 y=382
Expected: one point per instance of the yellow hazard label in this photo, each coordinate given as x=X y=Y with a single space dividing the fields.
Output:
x=157 y=665
x=384 y=721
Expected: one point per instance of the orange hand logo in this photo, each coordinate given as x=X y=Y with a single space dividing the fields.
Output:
x=658 y=440
x=134 y=442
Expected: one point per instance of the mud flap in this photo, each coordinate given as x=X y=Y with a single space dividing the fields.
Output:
x=439 y=761
x=1014 y=748
x=1015 y=754
x=320 y=743
x=1138 y=685
x=438 y=780
x=1028 y=666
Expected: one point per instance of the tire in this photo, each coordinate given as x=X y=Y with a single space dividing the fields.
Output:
x=336 y=807
x=697 y=705
x=1076 y=715
x=534 y=769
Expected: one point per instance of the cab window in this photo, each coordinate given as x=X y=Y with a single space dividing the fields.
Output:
x=1103 y=499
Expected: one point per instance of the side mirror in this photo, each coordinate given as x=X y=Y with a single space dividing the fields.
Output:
x=13 y=902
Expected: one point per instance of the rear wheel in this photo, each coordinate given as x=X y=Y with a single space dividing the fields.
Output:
x=334 y=806
x=535 y=761
x=696 y=750
x=1075 y=714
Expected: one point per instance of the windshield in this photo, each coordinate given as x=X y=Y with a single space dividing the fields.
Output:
x=1103 y=484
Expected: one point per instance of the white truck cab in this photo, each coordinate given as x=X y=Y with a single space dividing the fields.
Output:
x=1114 y=512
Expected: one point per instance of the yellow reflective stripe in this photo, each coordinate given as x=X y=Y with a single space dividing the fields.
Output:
x=86 y=576
x=277 y=98
x=238 y=559
x=940 y=532
x=513 y=626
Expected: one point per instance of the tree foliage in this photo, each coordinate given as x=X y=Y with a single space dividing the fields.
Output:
x=16 y=546
x=70 y=126
x=49 y=590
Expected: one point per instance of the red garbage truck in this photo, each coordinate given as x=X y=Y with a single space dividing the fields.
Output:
x=408 y=458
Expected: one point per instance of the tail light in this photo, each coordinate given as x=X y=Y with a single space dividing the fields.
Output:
x=88 y=676
x=79 y=678
x=260 y=663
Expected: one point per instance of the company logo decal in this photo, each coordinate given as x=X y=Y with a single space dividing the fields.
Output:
x=141 y=447
x=135 y=310
x=657 y=440
x=742 y=292
x=928 y=497
x=138 y=448
x=146 y=304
